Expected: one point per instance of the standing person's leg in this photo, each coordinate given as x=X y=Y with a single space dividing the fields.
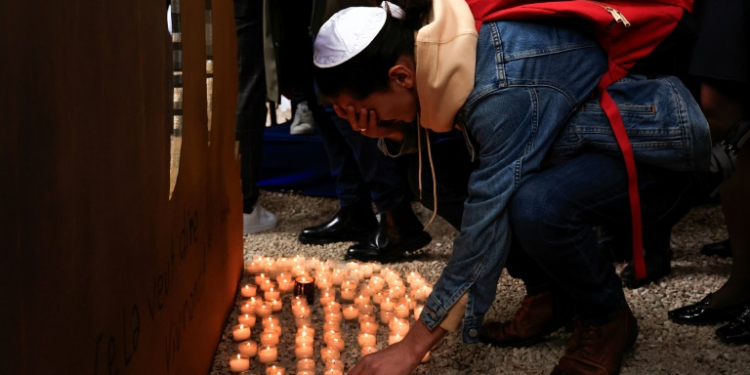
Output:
x=400 y=230
x=251 y=111
x=355 y=220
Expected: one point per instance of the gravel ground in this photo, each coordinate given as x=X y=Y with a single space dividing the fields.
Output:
x=662 y=347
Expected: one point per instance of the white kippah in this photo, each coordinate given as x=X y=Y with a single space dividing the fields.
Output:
x=349 y=32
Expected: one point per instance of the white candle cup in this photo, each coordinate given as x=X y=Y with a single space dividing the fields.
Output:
x=276 y=305
x=377 y=298
x=272 y=294
x=333 y=363
x=268 y=354
x=273 y=319
x=275 y=368
x=418 y=312
x=273 y=328
x=260 y=278
x=307 y=329
x=394 y=338
x=368 y=327
x=402 y=310
x=332 y=307
x=336 y=342
x=366 y=339
x=348 y=294
x=334 y=317
x=303 y=320
x=332 y=326
x=286 y=286
x=350 y=312
x=337 y=277
x=362 y=300
x=350 y=283
x=306 y=365
x=248 y=290
x=248 y=348
x=240 y=332
x=267 y=285
x=303 y=350
x=326 y=353
x=304 y=338
x=367 y=309
x=327 y=298
x=239 y=363
x=264 y=310
x=269 y=338
x=368 y=350
x=386 y=316
x=284 y=276
x=247 y=319
x=248 y=307
x=387 y=304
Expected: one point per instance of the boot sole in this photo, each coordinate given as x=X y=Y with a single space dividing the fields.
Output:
x=324 y=241
x=416 y=243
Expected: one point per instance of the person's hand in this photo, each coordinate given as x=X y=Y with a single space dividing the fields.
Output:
x=366 y=122
x=396 y=359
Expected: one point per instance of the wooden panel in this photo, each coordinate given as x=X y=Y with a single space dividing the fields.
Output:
x=102 y=273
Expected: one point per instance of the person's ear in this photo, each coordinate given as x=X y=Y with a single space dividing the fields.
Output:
x=402 y=76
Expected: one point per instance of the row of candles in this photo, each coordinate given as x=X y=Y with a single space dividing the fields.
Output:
x=362 y=287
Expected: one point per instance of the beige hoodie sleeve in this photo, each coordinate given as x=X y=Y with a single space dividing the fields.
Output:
x=445 y=54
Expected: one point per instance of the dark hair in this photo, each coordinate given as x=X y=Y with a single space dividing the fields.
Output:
x=367 y=72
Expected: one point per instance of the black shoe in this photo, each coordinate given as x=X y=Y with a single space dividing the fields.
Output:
x=699 y=314
x=720 y=249
x=657 y=256
x=352 y=223
x=399 y=231
x=738 y=330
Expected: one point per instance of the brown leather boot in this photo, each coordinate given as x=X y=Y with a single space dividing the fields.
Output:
x=534 y=320
x=598 y=350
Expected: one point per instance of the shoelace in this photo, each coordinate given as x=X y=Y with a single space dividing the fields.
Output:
x=584 y=337
x=432 y=168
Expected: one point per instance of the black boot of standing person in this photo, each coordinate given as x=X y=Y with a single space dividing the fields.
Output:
x=351 y=223
x=400 y=231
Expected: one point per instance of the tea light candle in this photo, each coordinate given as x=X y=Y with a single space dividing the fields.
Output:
x=367 y=309
x=386 y=304
x=272 y=327
x=327 y=353
x=366 y=339
x=350 y=284
x=336 y=341
x=337 y=277
x=275 y=369
x=361 y=300
x=394 y=338
x=368 y=350
x=267 y=285
x=248 y=290
x=269 y=338
x=332 y=326
x=307 y=329
x=378 y=297
x=368 y=327
x=351 y=312
x=240 y=332
x=348 y=294
x=260 y=278
x=334 y=317
x=264 y=310
x=248 y=307
x=252 y=267
x=303 y=350
x=332 y=307
x=399 y=326
x=269 y=320
x=283 y=277
x=286 y=286
x=247 y=320
x=402 y=311
x=268 y=354
x=272 y=294
x=303 y=337
x=276 y=305
x=326 y=298
x=239 y=363
x=248 y=348
x=305 y=286
x=377 y=283
x=418 y=311
x=306 y=364
x=367 y=269
x=386 y=316
x=300 y=321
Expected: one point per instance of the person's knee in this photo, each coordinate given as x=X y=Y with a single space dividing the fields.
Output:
x=535 y=216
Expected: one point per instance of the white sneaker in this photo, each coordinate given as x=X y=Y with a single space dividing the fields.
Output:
x=303 y=121
x=258 y=221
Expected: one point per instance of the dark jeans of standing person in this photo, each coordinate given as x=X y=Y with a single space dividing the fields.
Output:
x=364 y=176
x=251 y=111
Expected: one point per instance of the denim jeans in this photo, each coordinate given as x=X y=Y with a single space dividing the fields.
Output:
x=362 y=173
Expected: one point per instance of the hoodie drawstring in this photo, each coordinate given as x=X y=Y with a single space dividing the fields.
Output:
x=432 y=169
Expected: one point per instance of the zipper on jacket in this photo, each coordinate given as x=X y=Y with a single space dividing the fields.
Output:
x=616 y=14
